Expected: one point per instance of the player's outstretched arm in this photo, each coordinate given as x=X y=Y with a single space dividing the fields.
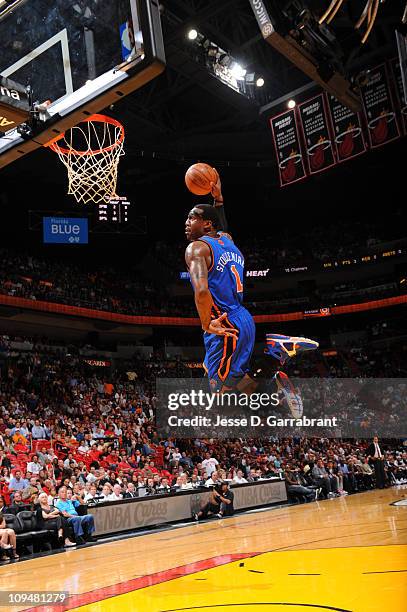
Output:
x=216 y=191
x=196 y=257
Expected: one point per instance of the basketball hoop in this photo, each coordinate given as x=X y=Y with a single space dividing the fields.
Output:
x=91 y=152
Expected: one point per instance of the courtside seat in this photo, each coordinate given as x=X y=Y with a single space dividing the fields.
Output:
x=24 y=539
x=28 y=522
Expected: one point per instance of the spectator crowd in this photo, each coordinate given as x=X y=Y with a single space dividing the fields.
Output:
x=135 y=292
x=70 y=438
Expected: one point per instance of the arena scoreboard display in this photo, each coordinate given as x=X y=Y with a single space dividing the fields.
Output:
x=116 y=210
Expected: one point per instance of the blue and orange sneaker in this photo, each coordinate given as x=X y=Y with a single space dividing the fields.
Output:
x=284 y=348
x=291 y=394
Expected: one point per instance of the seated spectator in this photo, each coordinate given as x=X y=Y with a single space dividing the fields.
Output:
x=52 y=495
x=38 y=431
x=49 y=517
x=296 y=488
x=93 y=475
x=17 y=503
x=17 y=483
x=252 y=476
x=3 y=506
x=116 y=494
x=106 y=491
x=322 y=480
x=5 y=462
x=336 y=478
x=31 y=491
x=212 y=480
x=164 y=486
x=150 y=486
x=46 y=456
x=4 y=490
x=194 y=481
x=5 y=473
x=239 y=478
x=70 y=461
x=92 y=494
x=367 y=473
x=78 y=492
x=34 y=466
x=83 y=526
x=130 y=492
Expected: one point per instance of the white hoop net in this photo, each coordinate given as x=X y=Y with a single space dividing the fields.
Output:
x=91 y=152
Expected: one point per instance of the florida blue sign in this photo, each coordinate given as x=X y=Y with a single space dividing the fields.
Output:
x=63 y=230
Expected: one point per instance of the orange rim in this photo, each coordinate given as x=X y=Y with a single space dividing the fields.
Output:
x=52 y=144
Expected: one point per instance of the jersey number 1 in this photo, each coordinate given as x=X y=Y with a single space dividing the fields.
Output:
x=239 y=286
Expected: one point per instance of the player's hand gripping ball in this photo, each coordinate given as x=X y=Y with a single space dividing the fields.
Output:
x=198 y=178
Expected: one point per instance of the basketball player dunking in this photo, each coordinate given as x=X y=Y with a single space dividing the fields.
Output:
x=216 y=267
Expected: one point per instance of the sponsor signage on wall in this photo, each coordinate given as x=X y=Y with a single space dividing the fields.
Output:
x=63 y=230
x=137 y=513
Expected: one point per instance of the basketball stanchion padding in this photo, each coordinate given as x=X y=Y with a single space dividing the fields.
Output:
x=91 y=152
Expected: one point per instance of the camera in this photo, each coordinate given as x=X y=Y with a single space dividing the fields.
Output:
x=218 y=486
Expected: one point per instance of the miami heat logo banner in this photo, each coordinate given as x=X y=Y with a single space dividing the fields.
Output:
x=347 y=129
x=315 y=128
x=398 y=81
x=288 y=149
x=379 y=110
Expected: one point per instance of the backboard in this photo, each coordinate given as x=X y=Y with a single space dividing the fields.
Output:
x=81 y=55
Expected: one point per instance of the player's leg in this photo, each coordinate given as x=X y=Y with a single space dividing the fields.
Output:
x=239 y=363
x=279 y=349
x=282 y=348
x=227 y=359
x=218 y=350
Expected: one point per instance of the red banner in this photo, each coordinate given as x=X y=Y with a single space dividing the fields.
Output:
x=315 y=128
x=379 y=109
x=288 y=148
x=347 y=129
x=398 y=84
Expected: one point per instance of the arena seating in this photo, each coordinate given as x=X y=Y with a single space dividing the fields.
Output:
x=105 y=434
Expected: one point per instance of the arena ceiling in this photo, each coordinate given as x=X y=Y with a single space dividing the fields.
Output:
x=187 y=112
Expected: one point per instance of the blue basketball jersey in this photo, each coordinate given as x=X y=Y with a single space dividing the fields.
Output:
x=226 y=274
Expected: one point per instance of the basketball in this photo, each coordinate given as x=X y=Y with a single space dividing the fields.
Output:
x=198 y=178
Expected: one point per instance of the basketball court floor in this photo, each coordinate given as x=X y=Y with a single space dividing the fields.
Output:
x=347 y=554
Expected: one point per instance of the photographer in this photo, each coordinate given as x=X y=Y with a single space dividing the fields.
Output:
x=226 y=497
x=220 y=503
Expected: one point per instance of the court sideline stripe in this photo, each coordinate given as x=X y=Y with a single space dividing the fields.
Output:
x=83 y=599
